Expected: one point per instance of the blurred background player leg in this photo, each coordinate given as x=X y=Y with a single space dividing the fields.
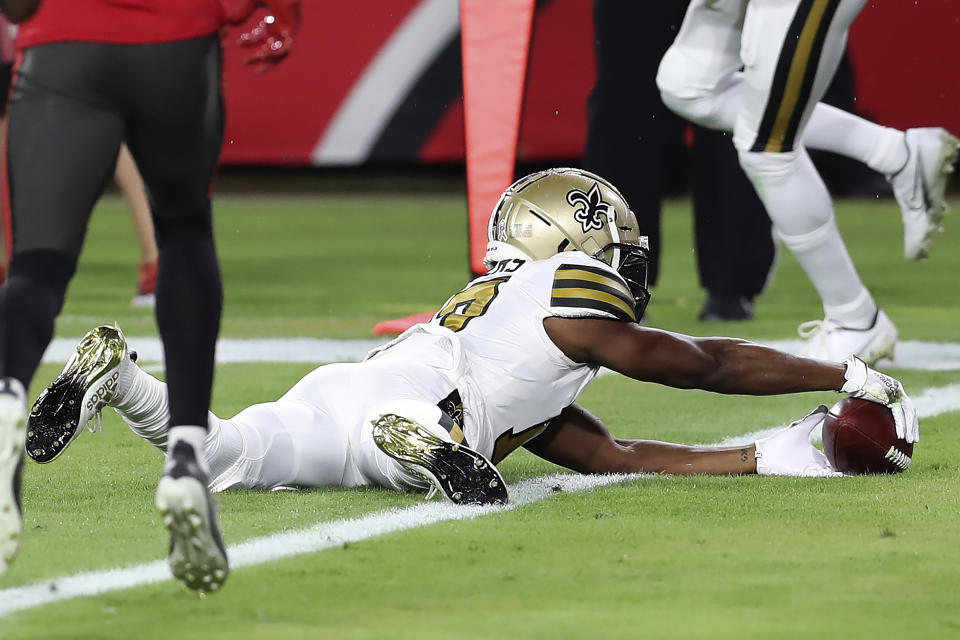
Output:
x=789 y=52
x=7 y=54
x=629 y=131
x=61 y=148
x=175 y=133
x=162 y=96
x=128 y=179
x=699 y=79
x=633 y=139
x=790 y=55
x=732 y=235
x=12 y=393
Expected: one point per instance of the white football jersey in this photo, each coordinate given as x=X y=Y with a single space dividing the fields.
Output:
x=509 y=375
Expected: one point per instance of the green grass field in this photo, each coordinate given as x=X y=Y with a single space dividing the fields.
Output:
x=656 y=557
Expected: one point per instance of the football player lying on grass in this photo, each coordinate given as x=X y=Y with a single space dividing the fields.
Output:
x=500 y=365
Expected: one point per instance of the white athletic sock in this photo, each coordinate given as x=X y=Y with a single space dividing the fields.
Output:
x=824 y=257
x=141 y=401
x=880 y=148
x=802 y=213
x=196 y=437
x=223 y=448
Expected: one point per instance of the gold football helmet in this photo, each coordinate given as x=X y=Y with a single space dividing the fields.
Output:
x=558 y=210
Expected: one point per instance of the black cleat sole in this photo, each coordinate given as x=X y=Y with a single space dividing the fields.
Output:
x=463 y=475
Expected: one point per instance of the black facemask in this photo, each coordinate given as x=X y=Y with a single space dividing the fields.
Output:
x=634 y=264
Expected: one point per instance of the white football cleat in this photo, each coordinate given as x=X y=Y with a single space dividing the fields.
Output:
x=197 y=556
x=829 y=340
x=90 y=380
x=919 y=186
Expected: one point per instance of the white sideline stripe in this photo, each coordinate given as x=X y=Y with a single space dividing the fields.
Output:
x=911 y=354
x=324 y=535
x=387 y=79
x=908 y=354
x=229 y=350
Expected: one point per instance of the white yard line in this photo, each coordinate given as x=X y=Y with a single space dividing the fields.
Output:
x=911 y=354
x=231 y=350
x=325 y=535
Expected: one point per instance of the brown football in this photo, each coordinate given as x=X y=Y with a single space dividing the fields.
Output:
x=860 y=436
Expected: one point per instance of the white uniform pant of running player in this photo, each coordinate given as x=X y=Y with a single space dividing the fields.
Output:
x=758 y=68
x=788 y=51
x=319 y=434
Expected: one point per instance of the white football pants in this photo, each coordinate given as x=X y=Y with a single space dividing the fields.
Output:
x=788 y=51
x=318 y=434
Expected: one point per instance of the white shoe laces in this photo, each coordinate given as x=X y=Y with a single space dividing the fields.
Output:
x=813 y=328
x=95 y=425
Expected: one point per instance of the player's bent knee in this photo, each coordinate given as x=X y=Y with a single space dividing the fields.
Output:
x=702 y=108
x=195 y=220
x=685 y=96
x=41 y=272
x=762 y=166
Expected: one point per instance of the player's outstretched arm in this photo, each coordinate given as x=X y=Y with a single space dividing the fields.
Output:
x=722 y=365
x=579 y=441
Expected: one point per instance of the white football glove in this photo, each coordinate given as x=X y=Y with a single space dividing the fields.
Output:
x=788 y=452
x=864 y=382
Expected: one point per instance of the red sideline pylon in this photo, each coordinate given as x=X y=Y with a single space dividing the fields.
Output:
x=495 y=36
x=399 y=325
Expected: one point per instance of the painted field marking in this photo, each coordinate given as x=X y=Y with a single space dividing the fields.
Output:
x=325 y=535
x=911 y=354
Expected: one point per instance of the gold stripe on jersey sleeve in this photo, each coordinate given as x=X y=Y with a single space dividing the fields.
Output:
x=593 y=288
x=814 y=22
x=574 y=273
x=598 y=276
x=593 y=299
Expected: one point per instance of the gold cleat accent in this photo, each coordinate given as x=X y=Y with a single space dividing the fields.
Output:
x=463 y=475
x=76 y=397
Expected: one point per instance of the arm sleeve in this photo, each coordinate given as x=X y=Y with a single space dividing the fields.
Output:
x=590 y=291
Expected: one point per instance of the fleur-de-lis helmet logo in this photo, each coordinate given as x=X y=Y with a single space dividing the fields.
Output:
x=591 y=211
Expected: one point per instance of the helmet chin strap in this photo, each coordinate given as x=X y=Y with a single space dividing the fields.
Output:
x=499 y=251
x=615 y=234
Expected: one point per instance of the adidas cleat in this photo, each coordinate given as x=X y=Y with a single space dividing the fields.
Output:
x=462 y=474
x=920 y=185
x=197 y=557
x=13 y=427
x=88 y=383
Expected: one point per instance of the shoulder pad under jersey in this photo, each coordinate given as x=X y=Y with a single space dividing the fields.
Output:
x=590 y=288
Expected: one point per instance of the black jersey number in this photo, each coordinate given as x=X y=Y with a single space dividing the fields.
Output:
x=469 y=303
